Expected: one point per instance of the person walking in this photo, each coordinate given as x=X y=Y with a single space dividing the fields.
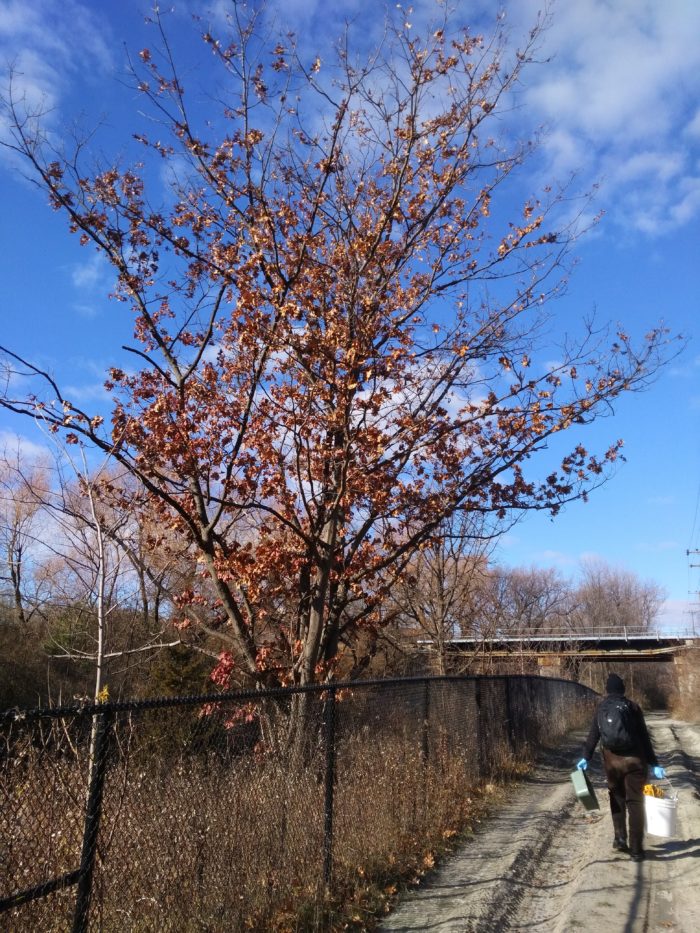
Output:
x=619 y=726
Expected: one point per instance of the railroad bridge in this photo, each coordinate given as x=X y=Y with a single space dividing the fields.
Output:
x=559 y=654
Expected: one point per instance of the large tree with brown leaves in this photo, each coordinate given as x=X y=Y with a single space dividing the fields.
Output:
x=333 y=333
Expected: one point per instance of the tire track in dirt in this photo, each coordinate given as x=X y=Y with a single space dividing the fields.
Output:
x=480 y=888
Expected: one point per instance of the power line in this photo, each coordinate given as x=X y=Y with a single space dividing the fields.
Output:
x=695 y=516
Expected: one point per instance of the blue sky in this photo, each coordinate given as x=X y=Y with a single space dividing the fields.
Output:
x=619 y=100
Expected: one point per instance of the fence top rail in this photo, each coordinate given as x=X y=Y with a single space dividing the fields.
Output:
x=242 y=696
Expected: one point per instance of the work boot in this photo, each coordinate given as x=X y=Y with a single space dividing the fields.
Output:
x=637 y=855
x=620 y=844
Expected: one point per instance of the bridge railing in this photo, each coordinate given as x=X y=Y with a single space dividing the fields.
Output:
x=259 y=810
x=591 y=634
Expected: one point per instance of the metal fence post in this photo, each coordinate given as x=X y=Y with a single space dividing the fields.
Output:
x=425 y=735
x=479 y=726
x=93 y=813
x=329 y=737
x=509 y=715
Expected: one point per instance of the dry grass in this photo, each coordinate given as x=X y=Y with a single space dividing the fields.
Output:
x=203 y=842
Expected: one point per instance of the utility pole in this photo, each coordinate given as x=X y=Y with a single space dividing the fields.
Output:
x=694 y=593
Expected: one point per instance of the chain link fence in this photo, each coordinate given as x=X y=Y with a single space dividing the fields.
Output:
x=251 y=811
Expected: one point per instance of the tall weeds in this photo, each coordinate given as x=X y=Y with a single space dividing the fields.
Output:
x=202 y=833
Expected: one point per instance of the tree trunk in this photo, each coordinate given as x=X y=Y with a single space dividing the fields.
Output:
x=14 y=563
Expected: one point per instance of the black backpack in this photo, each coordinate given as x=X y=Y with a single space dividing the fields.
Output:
x=616 y=724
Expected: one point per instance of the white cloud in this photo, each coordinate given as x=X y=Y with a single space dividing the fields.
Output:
x=618 y=65
x=693 y=127
x=565 y=152
x=618 y=96
x=12 y=380
x=663 y=165
x=676 y=615
x=35 y=81
x=509 y=540
x=687 y=205
x=89 y=392
x=688 y=370
x=47 y=44
x=591 y=557
x=17 y=443
x=89 y=274
x=557 y=558
x=68 y=30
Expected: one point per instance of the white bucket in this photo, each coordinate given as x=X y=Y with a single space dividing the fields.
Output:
x=661 y=813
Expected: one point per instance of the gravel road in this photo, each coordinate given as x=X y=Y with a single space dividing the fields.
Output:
x=544 y=864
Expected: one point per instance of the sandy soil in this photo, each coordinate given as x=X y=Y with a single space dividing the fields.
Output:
x=542 y=863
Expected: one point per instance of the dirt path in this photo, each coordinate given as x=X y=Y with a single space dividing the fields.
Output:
x=544 y=864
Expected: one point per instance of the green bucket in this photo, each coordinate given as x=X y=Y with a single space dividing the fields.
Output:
x=584 y=790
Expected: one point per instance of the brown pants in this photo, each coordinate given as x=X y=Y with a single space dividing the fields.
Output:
x=626 y=775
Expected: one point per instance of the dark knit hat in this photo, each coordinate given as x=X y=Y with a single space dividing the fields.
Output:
x=615 y=685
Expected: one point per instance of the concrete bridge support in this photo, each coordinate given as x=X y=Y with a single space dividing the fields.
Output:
x=687 y=670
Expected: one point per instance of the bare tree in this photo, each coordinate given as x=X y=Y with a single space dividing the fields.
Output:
x=525 y=601
x=19 y=521
x=89 y=566
x=612 y=599
x=438 y=597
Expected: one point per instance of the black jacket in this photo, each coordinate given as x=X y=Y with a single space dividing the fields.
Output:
x=644 y=749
